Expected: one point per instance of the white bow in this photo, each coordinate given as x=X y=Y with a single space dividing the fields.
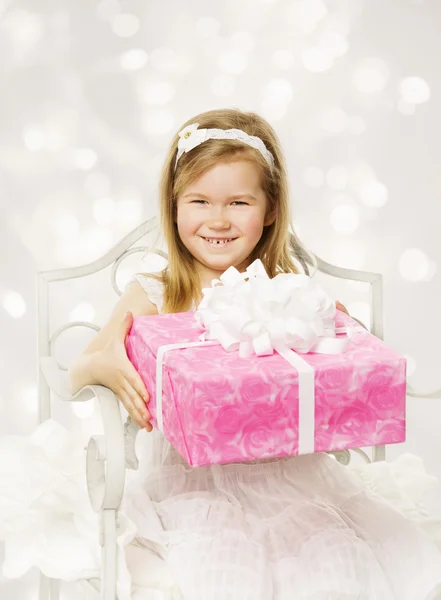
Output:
x=255 y=314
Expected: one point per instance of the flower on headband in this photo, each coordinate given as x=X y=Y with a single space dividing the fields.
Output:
x=190 y=137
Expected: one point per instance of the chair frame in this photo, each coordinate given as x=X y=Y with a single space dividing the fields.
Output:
x=108 y=455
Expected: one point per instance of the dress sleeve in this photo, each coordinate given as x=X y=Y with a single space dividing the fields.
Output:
x=153 y=288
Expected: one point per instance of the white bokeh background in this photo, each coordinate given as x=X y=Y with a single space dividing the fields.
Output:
x=92 y=91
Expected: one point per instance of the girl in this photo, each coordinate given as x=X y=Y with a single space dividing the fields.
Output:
x=302 y=528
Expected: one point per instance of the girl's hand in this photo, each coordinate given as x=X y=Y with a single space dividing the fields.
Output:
x=113 y=369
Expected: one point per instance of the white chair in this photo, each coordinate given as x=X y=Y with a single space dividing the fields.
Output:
x=110 y=454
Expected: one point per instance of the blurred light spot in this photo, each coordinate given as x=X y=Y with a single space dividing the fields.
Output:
x=283 y=59
x=414 y=264
x=411 y=365
x=309 y=13
x=104 y=211
x=232 y=61
x=272 y=109
x=208 y=27
x=30 y=398
x=96 y=242
x=156 y=92
x=405 y=108
x=82 y=312
x=316 y=59
x=97 y=184
x=243 y=41
x=24 y=27
x=356 y=125
x=360 y=174
x=337 y=177
x=158 y=122
x=14 y=304
x=334 y=43
x=415 y=90
x=223 y=85
x=129 y=209
x=134 y=59
x=373 y=193
x=125 y=25
x=84 y=158
x=334 y=120
x=345 y=219
x=83 y=410
x=313 y=177
x=66 y=225
x=164 y=59
x=361 y=311
x=371 y=76
x=108 y=9
x=34 y=139
x=431 y=272
x=279 y=90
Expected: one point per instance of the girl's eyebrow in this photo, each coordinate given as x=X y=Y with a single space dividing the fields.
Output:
x=235 y=197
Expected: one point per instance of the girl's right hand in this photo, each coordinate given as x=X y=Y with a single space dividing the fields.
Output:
x=113 y=369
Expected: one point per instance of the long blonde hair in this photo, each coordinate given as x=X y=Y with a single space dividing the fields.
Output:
x=279 y=248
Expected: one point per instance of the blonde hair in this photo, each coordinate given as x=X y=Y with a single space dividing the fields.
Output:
x=279 y=248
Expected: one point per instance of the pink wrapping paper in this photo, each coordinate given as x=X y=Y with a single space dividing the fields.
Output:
x=221 y=408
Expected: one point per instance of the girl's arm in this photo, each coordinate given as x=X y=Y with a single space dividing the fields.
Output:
x=105 y=361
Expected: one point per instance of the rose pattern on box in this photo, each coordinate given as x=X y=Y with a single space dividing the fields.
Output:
x=221 y=408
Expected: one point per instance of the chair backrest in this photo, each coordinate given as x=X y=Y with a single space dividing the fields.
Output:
x=134 y=243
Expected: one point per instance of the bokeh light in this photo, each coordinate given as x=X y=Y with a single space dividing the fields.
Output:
x=371 y=76
x=83 y=312
x=345 y=219
x=337 y=177
x=373 y=193
x=414 y=90
x=104 y=211
x=125 y=25
x=134 y=59
x=14 y=304
x=414 y=264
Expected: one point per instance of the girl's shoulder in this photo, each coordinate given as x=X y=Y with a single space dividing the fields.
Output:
x=153 y=286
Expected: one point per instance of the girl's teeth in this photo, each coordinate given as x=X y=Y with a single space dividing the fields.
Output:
x=218 y=241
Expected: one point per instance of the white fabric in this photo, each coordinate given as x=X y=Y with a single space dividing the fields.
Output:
x=304 y=528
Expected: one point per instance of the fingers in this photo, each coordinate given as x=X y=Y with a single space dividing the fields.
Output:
x=135 y=406
x=137 y=384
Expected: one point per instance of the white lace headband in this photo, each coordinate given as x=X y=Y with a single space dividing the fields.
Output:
x=191 y=136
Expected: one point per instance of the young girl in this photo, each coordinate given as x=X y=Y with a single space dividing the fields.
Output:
x=302 y=528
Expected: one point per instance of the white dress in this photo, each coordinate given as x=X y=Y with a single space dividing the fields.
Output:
x=302 y=528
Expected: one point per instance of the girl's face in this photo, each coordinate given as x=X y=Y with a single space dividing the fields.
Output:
x=221 y=216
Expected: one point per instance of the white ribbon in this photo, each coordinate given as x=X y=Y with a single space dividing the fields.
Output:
x=257 y=315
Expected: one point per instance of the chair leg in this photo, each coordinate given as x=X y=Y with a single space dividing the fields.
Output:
x=49 y=589
x=379 y=453
x=109 y=554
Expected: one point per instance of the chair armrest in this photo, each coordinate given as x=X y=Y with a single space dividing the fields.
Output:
x=436 y=395
x=106 y=455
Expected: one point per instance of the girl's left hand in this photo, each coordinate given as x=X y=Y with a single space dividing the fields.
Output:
x=340 y=306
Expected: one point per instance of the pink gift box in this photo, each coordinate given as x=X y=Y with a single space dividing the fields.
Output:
x=218 y=407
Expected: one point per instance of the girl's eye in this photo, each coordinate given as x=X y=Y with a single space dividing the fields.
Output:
x=199 y=201
x=240 y=203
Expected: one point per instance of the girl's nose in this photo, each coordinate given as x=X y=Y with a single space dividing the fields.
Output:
x=220 y=223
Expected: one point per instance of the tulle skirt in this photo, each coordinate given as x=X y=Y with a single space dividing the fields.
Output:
x=304 y=528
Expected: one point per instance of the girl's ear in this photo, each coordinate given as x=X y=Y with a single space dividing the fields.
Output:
x=270 y=218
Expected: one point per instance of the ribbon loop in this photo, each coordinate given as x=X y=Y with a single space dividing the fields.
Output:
x=257 y=314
